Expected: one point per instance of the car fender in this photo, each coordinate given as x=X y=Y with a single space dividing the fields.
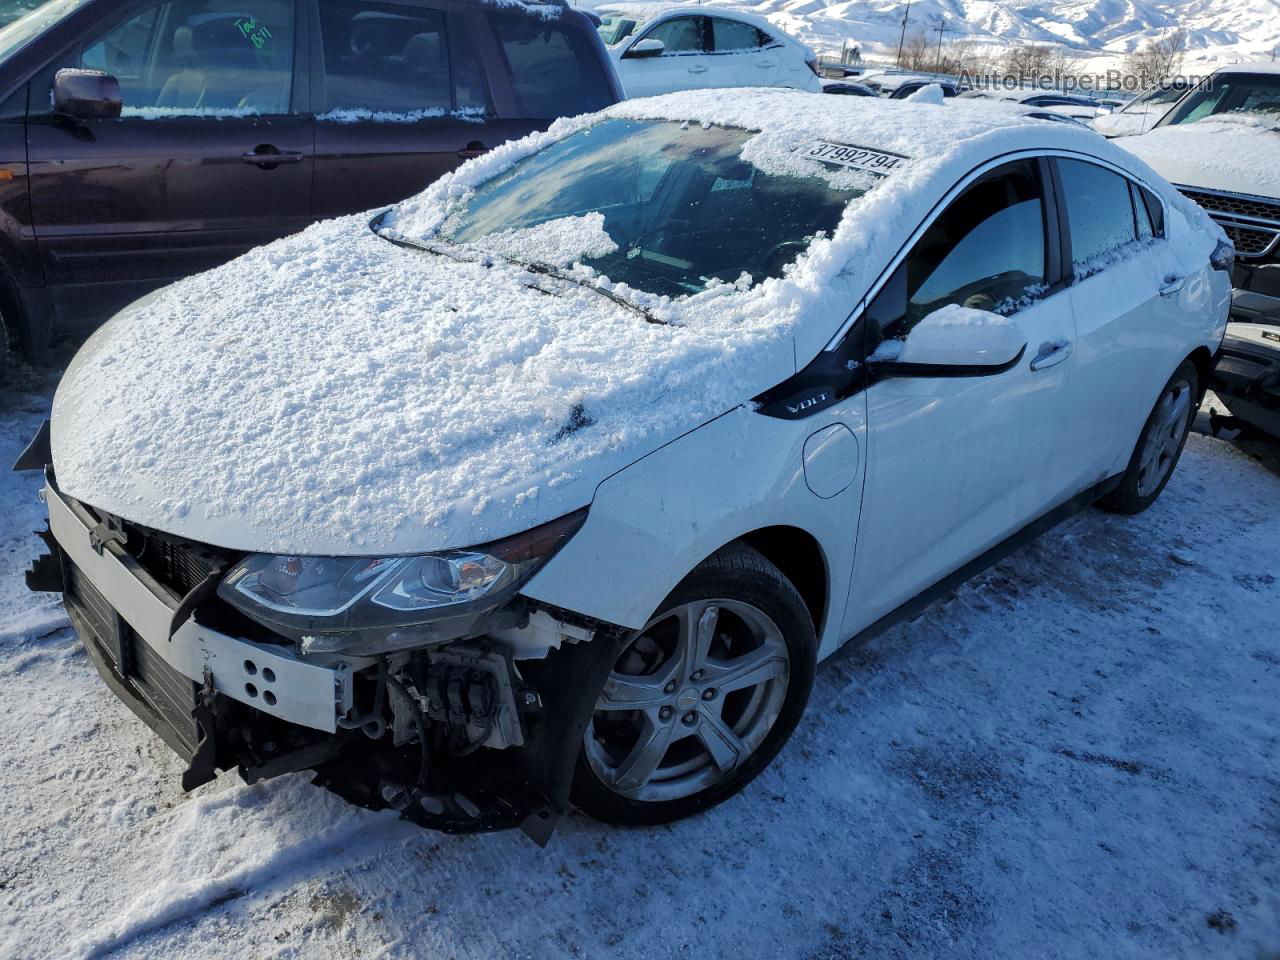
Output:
x=650 y=524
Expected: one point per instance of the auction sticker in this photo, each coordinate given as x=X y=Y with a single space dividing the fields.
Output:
x=855 y=158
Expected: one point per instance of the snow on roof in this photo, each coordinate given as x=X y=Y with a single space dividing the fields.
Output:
x=645 y=12
x=335 y=393
x=1258 y=66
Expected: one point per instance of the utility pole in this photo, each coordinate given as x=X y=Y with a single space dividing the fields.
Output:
x=937 y=66
x=903 y=36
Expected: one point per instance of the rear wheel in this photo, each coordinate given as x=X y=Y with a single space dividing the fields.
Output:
x=702 y=698
x=1160 y=444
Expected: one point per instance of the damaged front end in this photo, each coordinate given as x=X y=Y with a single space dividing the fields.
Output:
x=463 y=722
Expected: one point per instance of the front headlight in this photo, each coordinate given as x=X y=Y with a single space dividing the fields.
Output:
x=369 y=605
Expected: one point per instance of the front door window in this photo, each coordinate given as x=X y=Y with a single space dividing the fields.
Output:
x=197 y=57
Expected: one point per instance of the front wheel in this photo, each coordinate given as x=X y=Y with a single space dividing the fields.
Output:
x=1160 y=444
x=702 y=698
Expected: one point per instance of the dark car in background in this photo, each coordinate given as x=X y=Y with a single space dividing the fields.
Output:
x=144 y=140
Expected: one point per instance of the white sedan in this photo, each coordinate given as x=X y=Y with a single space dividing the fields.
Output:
x=659 y=49
x=553 y=484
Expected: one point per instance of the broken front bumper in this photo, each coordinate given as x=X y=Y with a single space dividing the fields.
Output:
x=222 y=701
x=136 y=621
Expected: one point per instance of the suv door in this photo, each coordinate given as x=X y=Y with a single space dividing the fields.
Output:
x=402 y=98
x=745 y=53
x=683 y=65
x=957 y=464
x=211 y=156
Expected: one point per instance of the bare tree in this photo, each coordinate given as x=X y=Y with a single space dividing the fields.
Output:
x=1029 y=60
x=1160 y=59
x=915 y=51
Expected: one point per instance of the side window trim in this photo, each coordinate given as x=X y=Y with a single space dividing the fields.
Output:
x=1055 y=253
x=302 y=96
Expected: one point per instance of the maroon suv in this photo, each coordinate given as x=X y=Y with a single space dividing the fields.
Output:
x=143 y=140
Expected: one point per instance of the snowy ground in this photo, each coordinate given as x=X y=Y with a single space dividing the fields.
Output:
x=1074 y=756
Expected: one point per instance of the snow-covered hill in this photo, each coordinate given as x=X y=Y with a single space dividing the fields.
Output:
x=1219 y=31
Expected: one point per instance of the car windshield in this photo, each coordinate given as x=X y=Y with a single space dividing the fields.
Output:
x=1257 y=94
x=22 y=22
x=617 y=26
x=1159 y=95
x=665 y=207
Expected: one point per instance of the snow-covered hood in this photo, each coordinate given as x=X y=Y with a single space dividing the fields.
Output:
x=1239 y=154
x=333 y=393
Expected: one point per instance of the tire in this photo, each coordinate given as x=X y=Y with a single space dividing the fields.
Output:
x=1160 y=444
x=737 y=620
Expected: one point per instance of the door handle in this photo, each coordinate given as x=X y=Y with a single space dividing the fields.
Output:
x=472 y=149
x=698 y=68
x=266 y=156
x=1172 y=285
x=766 y=64
x=1051 y=354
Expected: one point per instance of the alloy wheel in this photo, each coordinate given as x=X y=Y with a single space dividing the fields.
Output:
x=689 y=700
x=1164 y=440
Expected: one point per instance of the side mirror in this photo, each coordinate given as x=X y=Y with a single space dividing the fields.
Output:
x=86 y=95
x=953 y=341
x=646 y=48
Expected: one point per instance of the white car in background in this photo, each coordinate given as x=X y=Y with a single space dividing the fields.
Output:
x=1220 y=145
x=555 y=482
x=1142 y=112
x=664 y=49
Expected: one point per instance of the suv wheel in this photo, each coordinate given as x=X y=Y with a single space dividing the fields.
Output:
x=702 y=698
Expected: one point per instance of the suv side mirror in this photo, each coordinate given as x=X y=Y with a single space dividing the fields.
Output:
x=647 y=48
x=86 y=95
x=953 y=341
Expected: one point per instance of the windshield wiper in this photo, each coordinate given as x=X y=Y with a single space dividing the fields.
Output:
x=549 y=271
x=454 y=252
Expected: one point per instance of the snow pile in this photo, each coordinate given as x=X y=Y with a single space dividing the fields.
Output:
x=555 y=242
x=336 y=393
x=932 y=93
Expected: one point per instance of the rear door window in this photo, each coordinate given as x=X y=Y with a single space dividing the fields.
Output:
x=392 y=61
x=200 y=57
x=1099 y=213
x=731 y=36
x=554 y=67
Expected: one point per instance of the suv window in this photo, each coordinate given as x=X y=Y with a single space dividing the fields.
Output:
x=679 y=34
x=1099 y=213
x=200 y=57
x=554 y=68
x=733 y=35
x=985 y=251
x=397 y=60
